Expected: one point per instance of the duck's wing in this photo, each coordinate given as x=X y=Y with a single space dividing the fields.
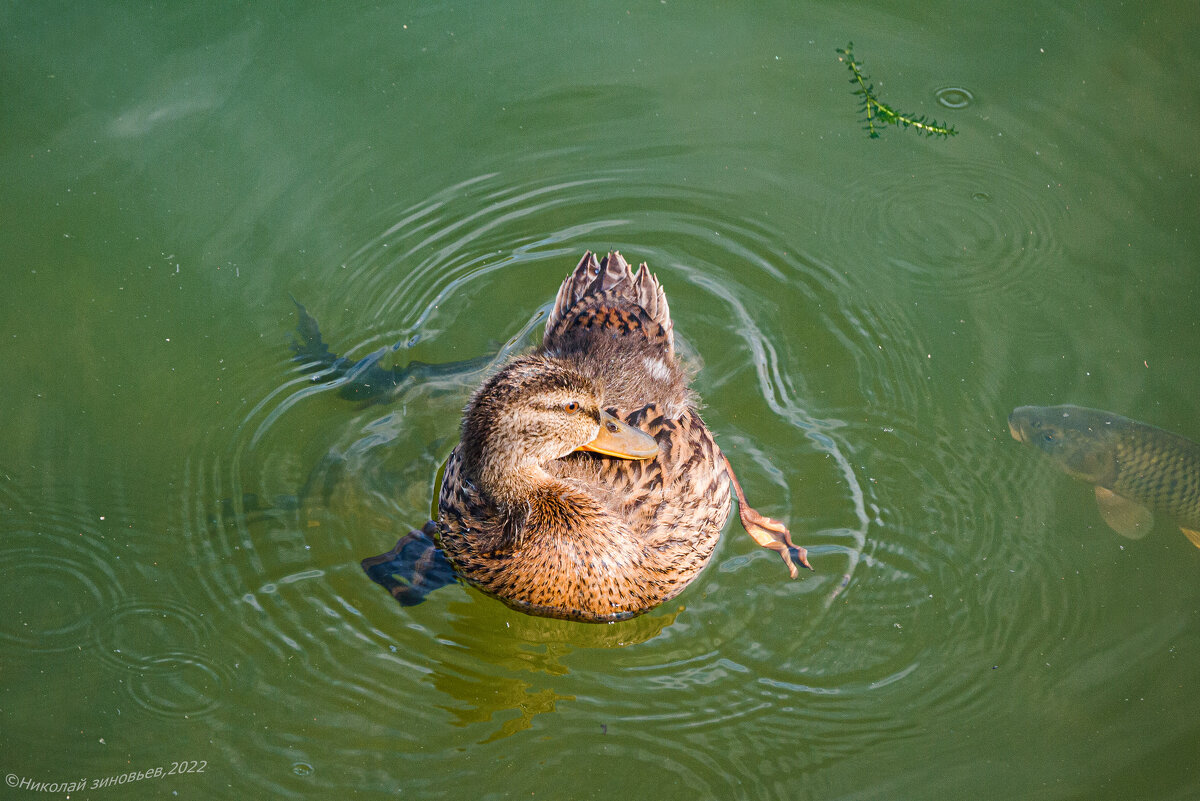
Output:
x=609 y=294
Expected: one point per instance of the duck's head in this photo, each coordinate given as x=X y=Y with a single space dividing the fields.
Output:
x=536 y=410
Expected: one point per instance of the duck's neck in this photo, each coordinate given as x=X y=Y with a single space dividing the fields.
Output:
x=536 y=504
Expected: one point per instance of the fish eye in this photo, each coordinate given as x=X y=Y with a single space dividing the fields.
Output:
x=571 y=406
x=1047 y=436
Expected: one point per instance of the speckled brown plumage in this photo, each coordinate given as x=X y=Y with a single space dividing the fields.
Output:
x=555 y=531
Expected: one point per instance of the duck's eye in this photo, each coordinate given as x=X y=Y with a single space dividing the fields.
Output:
x=571 y=406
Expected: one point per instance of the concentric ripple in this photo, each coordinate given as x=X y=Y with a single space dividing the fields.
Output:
x=311 y=484
x=136 y=633
x=958 y=227
x=73 y=582
x=840 y=433
x=954 y=97
x=160 y=648
x=59 y=573
x=178 y=685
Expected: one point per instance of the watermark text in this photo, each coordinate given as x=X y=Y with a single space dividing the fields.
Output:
x=18 y=782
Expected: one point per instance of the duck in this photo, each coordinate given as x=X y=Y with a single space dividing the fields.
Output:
x=585 y=485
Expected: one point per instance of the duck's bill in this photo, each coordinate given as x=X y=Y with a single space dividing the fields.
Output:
x=621 y=440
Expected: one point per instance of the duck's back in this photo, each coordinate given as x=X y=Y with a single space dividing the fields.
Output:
x=614 y=325
x=609 y=292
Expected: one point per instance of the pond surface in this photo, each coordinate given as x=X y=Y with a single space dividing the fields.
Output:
x=183 y=510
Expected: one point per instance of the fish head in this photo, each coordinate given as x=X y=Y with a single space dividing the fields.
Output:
x=1081 y=442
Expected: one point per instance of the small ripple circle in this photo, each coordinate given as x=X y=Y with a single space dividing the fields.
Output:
x=136 y=632
x=179 y=685
x=57 y=586
x=954 y=97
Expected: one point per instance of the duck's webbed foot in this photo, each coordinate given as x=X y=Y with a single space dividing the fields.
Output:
x=413 y=569
x=766 y=531
x=770 y=533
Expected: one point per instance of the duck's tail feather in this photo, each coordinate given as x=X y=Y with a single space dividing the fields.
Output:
x=610 y=285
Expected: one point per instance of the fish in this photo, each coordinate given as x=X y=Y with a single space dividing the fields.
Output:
x=365 y=380
x=1137 y=469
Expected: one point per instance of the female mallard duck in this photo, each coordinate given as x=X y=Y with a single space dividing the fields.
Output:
x=585 y=485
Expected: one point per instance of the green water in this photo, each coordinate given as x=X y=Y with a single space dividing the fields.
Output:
x=182 y=511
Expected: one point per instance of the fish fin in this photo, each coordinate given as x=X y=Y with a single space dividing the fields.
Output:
x=1126 y=517
x=1192 y=535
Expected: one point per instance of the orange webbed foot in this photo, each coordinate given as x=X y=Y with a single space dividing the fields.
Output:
x=770 y=533
x=766 y=531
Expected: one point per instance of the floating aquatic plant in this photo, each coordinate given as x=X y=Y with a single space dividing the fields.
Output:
x=880 y=113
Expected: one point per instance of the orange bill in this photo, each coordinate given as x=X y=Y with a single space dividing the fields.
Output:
x=621 y=440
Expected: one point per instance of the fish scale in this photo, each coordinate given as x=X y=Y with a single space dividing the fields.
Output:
x=1161 y=470
x=1136 y=468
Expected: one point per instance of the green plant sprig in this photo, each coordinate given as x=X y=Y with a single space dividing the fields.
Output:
x=880 y=113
